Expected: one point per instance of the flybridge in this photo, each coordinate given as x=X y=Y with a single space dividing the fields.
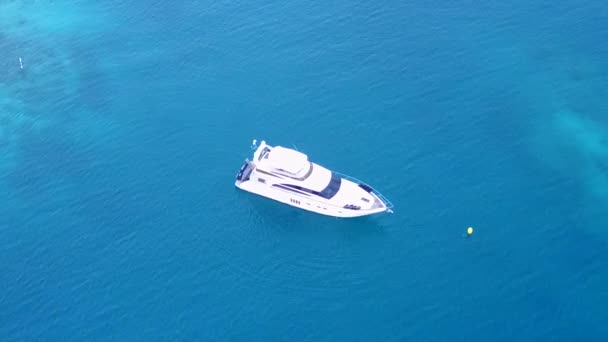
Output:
x=288 y=160
x=281 y=159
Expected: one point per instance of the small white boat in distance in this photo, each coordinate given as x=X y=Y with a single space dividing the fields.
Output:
x=287 y=176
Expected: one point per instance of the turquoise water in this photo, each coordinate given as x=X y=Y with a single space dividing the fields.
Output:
x=121 y=136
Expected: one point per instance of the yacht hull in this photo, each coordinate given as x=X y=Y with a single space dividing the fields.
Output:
x=303 y=202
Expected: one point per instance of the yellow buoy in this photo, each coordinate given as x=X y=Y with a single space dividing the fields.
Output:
x=470 y=231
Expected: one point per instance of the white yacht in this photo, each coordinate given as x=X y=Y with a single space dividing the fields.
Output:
x=287 y=176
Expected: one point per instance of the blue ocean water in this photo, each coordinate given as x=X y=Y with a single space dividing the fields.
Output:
x=121 y=136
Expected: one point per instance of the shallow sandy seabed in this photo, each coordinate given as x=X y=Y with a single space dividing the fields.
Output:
x=45 y=17
x=577 y=146
x=569 y=129
x=47 y=91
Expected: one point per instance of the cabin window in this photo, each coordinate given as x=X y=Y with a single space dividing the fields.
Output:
x=352 y=206
x=328 y=192
x=261 y=180
x=332 y=188
x=364 y=199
